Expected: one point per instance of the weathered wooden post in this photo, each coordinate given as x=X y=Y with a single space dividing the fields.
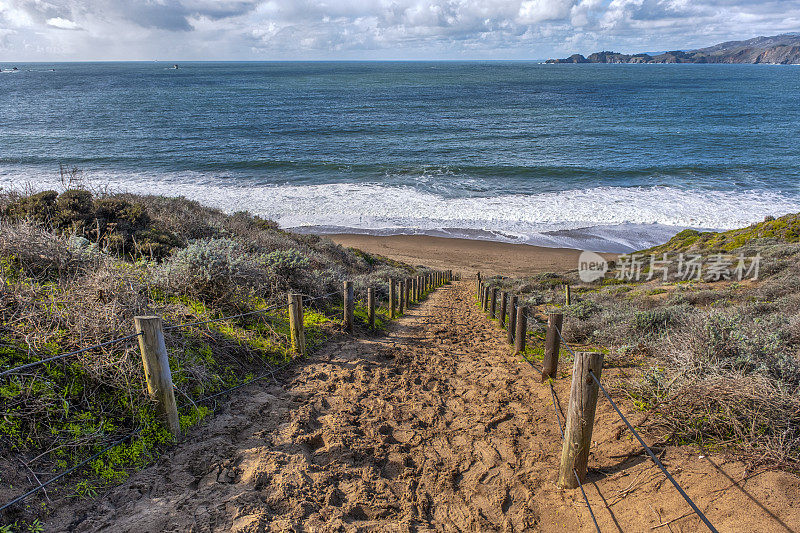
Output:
x=493 y=303
x=156 y=369
x=484 y=298
x=503 y=308
x=567 y=295
x=418 y=287
x=512 y=318
x=349 y=304
x=580 y=419
x=371 y=307
x=391 y=299
x=552 y=345
x=522 y=330
x=408 y=293
x=296 y=329
x=401 y=297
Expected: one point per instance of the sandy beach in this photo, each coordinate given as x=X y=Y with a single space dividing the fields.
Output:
x=466 y=256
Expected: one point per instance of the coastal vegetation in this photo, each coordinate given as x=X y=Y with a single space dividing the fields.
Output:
x=77 y=266
x=713 y=361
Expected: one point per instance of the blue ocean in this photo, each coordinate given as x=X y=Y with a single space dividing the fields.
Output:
x=603 y=157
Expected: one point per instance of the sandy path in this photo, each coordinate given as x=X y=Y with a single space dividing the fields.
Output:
x=432 y=427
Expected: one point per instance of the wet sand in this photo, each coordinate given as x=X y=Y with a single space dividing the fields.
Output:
x=466 y=256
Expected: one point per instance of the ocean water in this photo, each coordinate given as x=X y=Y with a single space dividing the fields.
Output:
x=603 y=157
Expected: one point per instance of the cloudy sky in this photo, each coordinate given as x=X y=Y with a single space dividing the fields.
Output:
x=59 y=30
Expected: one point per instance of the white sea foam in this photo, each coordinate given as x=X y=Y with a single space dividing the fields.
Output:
x=600 y=218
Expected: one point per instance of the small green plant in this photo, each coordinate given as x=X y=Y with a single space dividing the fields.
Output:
x=582 y=309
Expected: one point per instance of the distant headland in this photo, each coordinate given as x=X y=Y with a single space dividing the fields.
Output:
x=781 y=49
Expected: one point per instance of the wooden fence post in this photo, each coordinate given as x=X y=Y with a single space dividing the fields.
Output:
x=512 y=318
x=391 y=298
x=485 y=298
x=503 y=308
x=408 y=293
x=156 y=369
x=580 y=419
x=552 y=345
x=479 y=277
x=493 y=303
x=401 y=300
x=296 y=329
x=567 y=294
x=348 y=305
x=522 y=330
x=371 y=307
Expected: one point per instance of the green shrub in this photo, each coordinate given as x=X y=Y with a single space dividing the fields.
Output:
x=40 y=207
x=286 y=262
x=582 y=309
x=212 y=268
x=735 y=341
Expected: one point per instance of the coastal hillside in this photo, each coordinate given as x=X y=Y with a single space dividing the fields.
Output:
x=781 y=49
x=709 y=321
x=76 y=267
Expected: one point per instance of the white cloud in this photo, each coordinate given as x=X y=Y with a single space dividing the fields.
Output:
x=533 y=11
x=372 y=29
x=62 y=23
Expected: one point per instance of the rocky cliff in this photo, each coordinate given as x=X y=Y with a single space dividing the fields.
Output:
x=778 y=50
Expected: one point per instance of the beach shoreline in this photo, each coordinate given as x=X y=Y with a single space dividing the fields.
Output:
x=466 y=255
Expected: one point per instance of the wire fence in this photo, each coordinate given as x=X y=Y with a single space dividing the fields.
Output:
x=271 y=372
x=483 y=297
x=64 y=474
x=20 y=368
x=646 y=448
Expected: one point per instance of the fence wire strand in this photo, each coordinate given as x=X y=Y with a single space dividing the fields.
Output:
x=654 y=458
x=596 y=526
x=68 y=472
x=647 y=449
x=557 y=409
x=63 y=355
x=224 y=318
